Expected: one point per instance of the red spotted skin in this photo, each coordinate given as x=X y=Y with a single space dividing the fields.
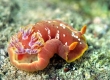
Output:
x=65 y=35
x=54 y=26
x=32 y=47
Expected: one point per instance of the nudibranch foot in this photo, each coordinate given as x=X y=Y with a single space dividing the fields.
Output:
x=33 y=46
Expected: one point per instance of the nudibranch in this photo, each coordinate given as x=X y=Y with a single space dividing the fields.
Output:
x=33 y=46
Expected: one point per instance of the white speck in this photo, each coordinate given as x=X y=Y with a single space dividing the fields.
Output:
x=62 y=25
x=66 y=43
x=63 y=35
x=58 y=31
x=57 y=26
x=57 y=35
x=49 y=33
x=80 y=42
x=46 y=29
x=74 y=35
x=78 y=39
x=38 y=31
x=49 y=21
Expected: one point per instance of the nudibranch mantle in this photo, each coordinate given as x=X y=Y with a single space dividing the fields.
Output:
x=33 y=46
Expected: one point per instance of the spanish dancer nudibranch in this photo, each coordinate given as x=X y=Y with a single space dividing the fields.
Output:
x=33 y=46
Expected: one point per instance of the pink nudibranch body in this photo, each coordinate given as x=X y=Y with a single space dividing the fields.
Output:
x=32 y=47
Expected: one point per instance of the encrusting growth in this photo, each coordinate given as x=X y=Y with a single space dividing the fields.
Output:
x=33 y=46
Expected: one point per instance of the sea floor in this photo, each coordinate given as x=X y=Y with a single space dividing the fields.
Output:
x=93 y=65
